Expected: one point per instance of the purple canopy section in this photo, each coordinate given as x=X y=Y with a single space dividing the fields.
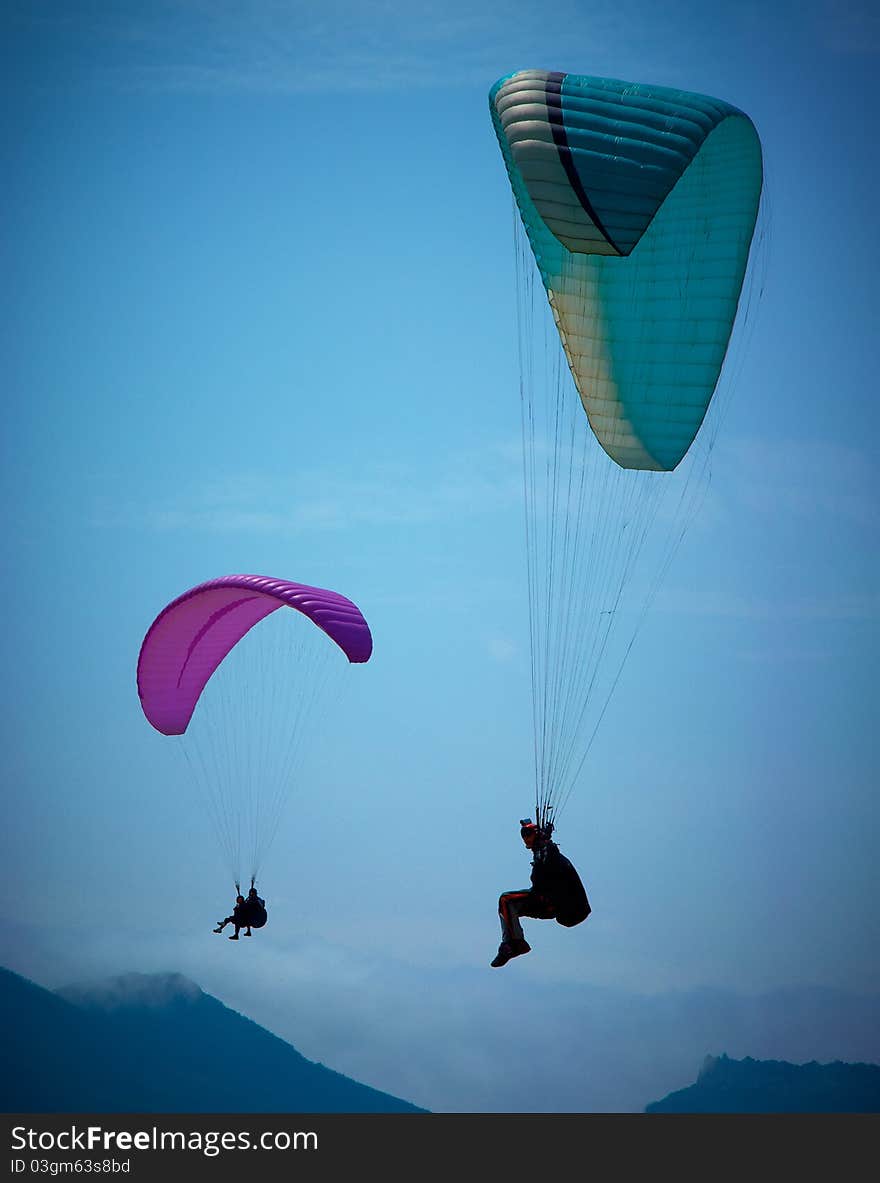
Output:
x=191 y=636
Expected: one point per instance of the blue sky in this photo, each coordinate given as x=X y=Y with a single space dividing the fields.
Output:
x=260 y=317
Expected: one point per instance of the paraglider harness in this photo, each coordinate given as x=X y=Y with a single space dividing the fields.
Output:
x=570 y=903
x=543 y=831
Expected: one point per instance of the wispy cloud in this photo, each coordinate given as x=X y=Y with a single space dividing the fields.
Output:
x=808 y=478
x=298 y=46
x=777 y=655
x=470 y=484
x=502 y=649
x=803 y=497
x=832 y=606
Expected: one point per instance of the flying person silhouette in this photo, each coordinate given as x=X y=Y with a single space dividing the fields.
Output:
x=556 y=893
x=247 y=914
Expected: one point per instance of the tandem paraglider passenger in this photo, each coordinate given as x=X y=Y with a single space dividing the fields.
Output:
x=556 y=893
x=247 y=914
x=237 y=918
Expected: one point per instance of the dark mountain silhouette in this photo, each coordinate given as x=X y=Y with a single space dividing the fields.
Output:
x=155 y=1043
x=774 y=1086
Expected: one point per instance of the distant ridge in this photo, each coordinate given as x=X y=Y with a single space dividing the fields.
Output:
x=156 y=1043
x=775 y=1086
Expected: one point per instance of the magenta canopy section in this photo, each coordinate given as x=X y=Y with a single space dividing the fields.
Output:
x=191 y=636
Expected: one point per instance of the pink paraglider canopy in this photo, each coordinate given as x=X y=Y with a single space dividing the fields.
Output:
x=191 y=636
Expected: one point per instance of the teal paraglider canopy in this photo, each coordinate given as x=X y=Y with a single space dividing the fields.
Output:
x=638 y=205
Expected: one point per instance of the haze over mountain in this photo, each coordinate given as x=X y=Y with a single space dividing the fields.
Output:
x=157 y=1043
x=449 y=1049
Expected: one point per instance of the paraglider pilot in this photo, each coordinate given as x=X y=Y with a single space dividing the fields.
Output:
x=556 y=893
x=247 y=914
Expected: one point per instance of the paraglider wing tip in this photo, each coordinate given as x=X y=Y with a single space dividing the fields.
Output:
x=364 y=653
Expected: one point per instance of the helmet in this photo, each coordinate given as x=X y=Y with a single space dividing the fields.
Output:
x=527 y=829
